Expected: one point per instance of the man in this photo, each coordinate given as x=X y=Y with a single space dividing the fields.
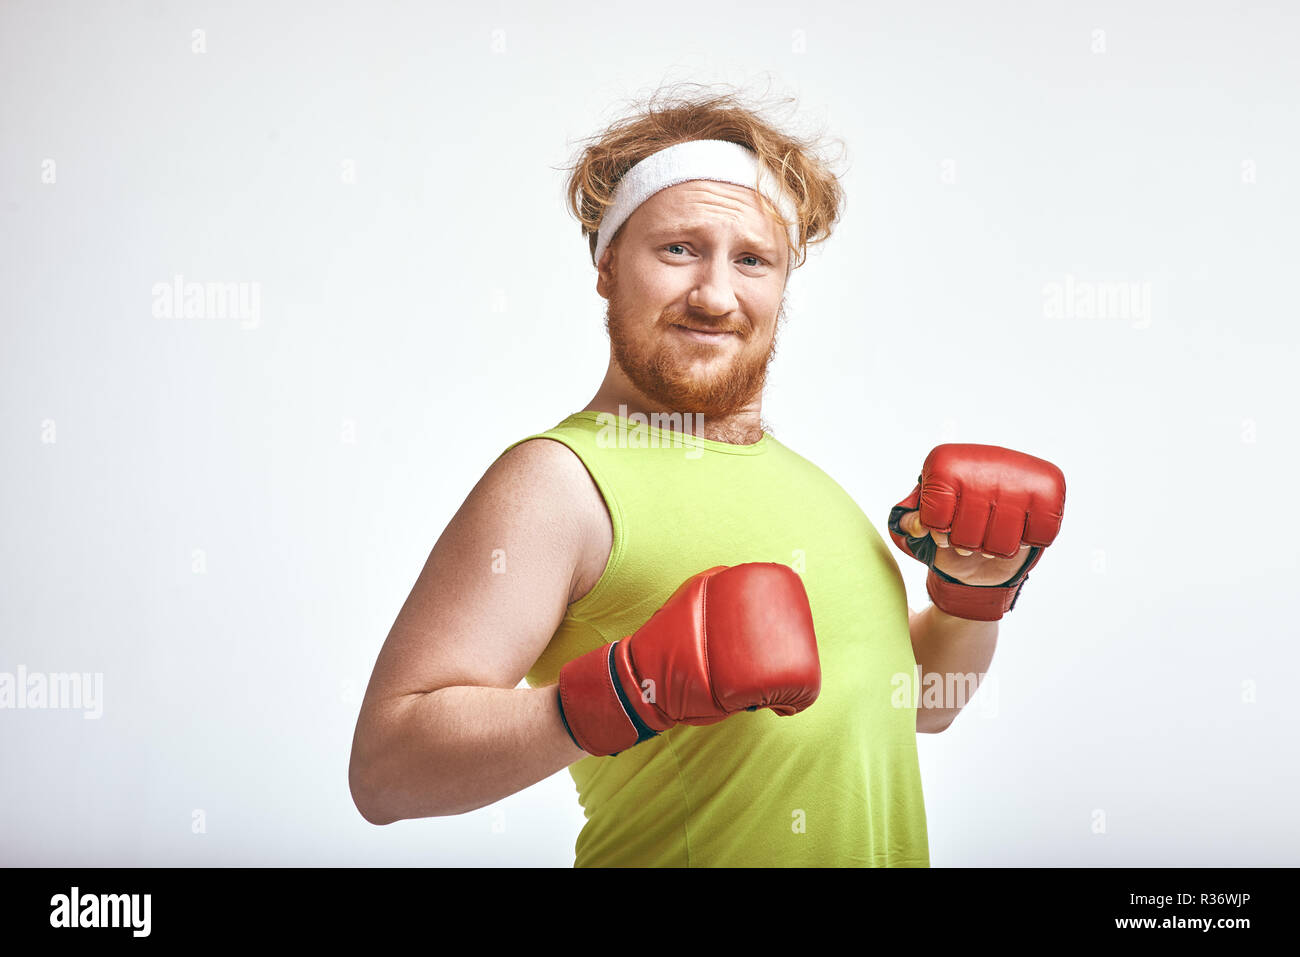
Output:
x=713 y=633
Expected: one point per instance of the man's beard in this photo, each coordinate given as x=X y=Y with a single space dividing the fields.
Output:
x=663 y=371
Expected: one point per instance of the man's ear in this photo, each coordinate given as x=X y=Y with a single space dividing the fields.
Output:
x=605 y=273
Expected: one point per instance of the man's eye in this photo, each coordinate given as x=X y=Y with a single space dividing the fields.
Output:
x=758 y=261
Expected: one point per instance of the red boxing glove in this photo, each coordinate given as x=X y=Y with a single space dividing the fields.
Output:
x=987 y=499
x=729 y=639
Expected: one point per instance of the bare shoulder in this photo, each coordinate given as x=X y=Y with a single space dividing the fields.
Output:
x=497 y=582
x=554 y=479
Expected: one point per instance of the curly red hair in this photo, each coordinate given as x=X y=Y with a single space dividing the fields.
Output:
x=674 y=115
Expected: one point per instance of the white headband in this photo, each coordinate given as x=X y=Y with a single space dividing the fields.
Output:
x=717 y=160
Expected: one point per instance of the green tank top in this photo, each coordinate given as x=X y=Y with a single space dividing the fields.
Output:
x=838 y=784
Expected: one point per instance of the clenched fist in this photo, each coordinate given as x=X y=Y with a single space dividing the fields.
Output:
x=979 y=517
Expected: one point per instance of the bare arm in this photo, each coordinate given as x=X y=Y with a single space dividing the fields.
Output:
x=954 y=655
x=443 y=729
x=457 y=749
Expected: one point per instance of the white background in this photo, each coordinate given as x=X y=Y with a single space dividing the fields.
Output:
x=223 y=518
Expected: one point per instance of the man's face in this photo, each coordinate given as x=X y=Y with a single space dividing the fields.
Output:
x=695 y=295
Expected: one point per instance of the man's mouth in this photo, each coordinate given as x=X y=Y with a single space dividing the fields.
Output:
x=703 y=335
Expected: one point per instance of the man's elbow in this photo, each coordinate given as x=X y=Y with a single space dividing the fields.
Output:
x=364 y=806
x=370 y=812
x=364 y=796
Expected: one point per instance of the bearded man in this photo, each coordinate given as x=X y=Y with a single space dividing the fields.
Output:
x=715 y=639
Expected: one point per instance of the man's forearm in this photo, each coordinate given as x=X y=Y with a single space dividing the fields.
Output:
x=953 y=654
x=455 y=750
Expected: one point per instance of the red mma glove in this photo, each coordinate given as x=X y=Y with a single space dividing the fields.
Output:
x=729 y=639
x=991 y=501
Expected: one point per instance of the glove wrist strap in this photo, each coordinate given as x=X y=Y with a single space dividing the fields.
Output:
x=975 y=602
x=594 y=703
